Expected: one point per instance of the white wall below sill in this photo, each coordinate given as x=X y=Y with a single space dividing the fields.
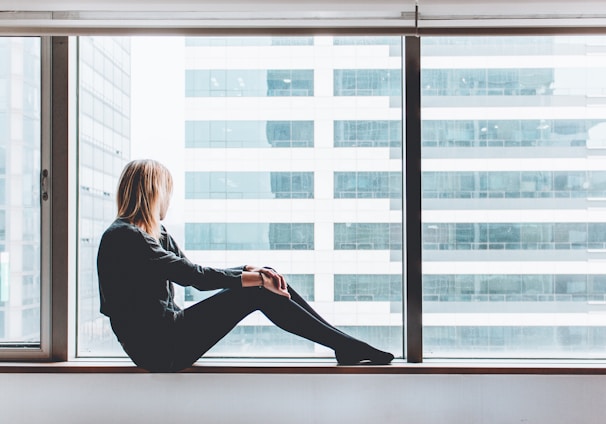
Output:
x=301 y=398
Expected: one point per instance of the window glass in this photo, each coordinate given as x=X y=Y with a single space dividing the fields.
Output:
x=367 y=133
x=387 y=185
x=249 y=236
x=19 y=192
x=514 y=184
x=369 y=287
x=367 y=82
x=560 y=132
x=254 y=134
x=513 y=201
x=249 y=83
x=104 y=141
x=368 y=236
x=249 y=185
x=265 y=171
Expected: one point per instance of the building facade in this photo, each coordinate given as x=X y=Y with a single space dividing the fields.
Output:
x=292 y=159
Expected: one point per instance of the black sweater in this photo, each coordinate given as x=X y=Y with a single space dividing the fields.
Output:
x=136 y=275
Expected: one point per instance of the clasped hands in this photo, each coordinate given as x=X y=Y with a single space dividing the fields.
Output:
x=271 y=280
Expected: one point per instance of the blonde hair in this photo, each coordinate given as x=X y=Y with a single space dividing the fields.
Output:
x=143 y=185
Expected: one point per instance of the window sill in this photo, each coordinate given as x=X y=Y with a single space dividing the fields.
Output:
x=313 y=366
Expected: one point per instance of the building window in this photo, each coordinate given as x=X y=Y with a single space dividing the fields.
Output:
x=361 y=185
x=546 y=133
x=247 y=236
x=514 y=184
x=253 y=134
x=368 y=288
x=501 y=288
x=291 y=82
x=368 y=133
x=249 y=82
x=510 y=236
x=249 y=185
x=487 y=82
x=367 y=236
x=367 y=82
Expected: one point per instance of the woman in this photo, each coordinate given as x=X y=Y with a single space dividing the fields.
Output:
x=138 y=261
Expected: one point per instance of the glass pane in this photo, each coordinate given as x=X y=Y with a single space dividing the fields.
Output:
x=266 y=171
x=19 y=192
x=514 y=240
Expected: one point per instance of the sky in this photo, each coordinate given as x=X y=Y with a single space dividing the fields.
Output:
x=157 y=106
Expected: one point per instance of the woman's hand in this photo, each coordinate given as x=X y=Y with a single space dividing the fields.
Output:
x=268 y=278
x=274 y=282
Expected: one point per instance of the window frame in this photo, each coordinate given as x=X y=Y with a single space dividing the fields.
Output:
x=58 y=157
x=47 y=333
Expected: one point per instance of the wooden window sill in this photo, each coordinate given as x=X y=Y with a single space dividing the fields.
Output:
x=315 y=366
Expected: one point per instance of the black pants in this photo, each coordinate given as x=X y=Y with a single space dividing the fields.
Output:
x=199 y=327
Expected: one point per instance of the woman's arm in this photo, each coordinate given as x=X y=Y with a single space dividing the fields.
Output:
x=171 y=263
x=265 y=278
x=155 y=262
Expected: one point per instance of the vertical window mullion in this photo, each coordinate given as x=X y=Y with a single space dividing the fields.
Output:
x=59 y=183
x=45 y=214
x=413 y=257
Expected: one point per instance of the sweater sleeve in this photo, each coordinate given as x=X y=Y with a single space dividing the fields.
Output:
x=171 y=264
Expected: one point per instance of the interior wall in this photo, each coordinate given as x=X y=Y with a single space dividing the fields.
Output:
x=294 y=399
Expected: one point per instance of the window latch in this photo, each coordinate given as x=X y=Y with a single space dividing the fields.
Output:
x=44 y=184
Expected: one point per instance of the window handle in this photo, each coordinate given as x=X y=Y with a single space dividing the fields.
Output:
x=44 y=184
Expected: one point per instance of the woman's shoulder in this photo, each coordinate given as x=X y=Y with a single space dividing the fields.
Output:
x=121 y=225
x=121 y=231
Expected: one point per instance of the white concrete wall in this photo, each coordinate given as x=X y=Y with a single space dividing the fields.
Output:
x=293 y=399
